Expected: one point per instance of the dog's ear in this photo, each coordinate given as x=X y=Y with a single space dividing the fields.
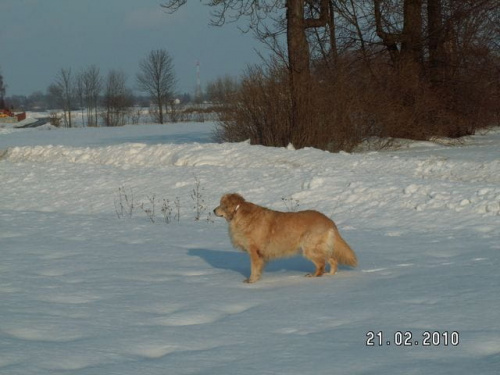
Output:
x=237 y=198
x=232 y=199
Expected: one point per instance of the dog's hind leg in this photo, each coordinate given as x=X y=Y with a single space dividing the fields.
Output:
x=257 y=263
x=316 y=255
x=333 y=265
x=320 y=267
x=317 y=249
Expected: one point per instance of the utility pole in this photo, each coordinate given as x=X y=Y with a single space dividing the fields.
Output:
x=197 y=94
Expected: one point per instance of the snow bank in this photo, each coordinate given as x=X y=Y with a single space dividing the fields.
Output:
x=142 y=155
x=430 y=181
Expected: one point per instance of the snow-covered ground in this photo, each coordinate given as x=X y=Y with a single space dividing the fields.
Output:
x=89 y=285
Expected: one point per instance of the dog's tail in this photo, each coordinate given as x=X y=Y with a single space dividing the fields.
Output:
x=342 y=252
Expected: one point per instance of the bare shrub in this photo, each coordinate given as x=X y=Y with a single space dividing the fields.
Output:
x=339 y=115
x=167 y=209
x=221 y=89
x=198 y=200
x=149 y=208
x=422 y=111
x=174 y=111
x=124 y=202
x=134 y=116
x=356 y=99
x=259 y=110
x=117 y=99
x=177 y=204
x=55 y=119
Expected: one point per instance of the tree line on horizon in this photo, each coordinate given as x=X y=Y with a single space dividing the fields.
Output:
x=108 y=99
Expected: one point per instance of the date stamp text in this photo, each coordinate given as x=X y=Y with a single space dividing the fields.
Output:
x=409 y=338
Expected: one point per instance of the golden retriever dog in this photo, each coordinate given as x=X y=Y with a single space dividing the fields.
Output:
x=266 y=234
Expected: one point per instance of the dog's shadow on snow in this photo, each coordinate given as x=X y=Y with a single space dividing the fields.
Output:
x=240 y=262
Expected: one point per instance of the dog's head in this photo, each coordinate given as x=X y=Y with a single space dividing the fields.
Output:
x=229 y=204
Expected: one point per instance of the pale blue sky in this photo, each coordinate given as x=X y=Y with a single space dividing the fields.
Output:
x=39 y=37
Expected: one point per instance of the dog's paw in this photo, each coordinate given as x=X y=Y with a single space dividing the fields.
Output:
x=249 y=281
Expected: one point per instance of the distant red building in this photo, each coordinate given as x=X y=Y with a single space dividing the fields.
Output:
x=6 y=114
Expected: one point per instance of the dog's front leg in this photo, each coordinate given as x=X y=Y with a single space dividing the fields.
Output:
x=256 y=265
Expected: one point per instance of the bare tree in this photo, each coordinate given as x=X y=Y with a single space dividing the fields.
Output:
x=117 y=98
x=220 y=90
x=157 y=78
x=89 y=88
x=299 y=16
x=80 y=94
x=390 y=68
x=2 y=92
x=404 y=45
x=65 y=93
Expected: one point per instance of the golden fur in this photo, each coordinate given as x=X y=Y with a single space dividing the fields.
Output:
x=266 y=234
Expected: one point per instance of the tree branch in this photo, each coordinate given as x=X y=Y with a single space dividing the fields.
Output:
x=324 y=13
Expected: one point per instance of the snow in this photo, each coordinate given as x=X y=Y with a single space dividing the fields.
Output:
x=87 y=289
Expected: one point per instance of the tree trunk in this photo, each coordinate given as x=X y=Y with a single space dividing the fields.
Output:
x=435 y=41
x=411 y=46
x=299 y=70
x=334 y=53
x=390 y=40
x=160 y=109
